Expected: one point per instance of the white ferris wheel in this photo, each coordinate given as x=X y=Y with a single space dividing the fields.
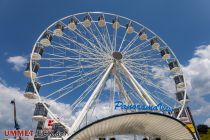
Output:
x=94 y=58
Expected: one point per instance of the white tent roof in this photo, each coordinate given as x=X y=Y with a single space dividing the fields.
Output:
x=150 y=124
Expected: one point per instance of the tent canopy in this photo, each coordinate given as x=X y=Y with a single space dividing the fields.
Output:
x=139 y=123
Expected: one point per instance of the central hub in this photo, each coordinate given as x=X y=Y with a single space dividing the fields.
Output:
x=117 y=55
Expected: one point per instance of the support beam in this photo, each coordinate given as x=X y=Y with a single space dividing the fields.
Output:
x=123 y=91
x=141 y=91
x=88 y=104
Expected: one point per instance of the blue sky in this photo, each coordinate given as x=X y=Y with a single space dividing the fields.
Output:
x=184 y=25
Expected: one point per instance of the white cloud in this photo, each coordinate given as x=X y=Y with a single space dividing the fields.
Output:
x=111 y=86
x=207 y=122
x=25 y=109
x=197 y=71
x=197 y=74
x=62 y=111
x=18 y=62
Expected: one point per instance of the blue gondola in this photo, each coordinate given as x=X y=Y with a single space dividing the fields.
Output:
x=40 y=113
x=35 y=68
x=165 y=53
x=30 y=92
x=46 y=39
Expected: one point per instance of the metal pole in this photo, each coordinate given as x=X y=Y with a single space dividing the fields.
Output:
x=127 y=98
x=85 y=109
x=141 y=91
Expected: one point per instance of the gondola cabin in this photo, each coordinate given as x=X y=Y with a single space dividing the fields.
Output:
x=38 y=52
x=129 y=28
x=46 y=39
x=72 y=24
x=154 y=43
x=165 y=53
x=179 y=81
x=183 y=116
x=40 y=113
x=30 y=92
x=101 y=21
x=142 y=35
x=87 y=21
x=33 y=73
x=116 y=23
x=57 y=128
x=39 y=128
x=180 y=97
x=40 y=125
x=174 y=66
x=58 y=31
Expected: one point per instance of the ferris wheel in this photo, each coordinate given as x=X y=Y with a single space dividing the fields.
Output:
x=93 y=58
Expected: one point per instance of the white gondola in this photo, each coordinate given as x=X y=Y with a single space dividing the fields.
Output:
x=30 y=91
x=174 y=66
x=40 y=113
x=180 y=97
x=154 y=43
x=57 y=128
x=72 y=24
x=46 y=39
x=39 y=128
x=38 y=52
x=129 y=28
x=40 y=125
x=116 y=23
x=87 y=21
x=165 y=53
x=179 y=81
x=142 y=35
x=183 y=116
x=101 y=21
x=32 y=74
x=58 y=30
